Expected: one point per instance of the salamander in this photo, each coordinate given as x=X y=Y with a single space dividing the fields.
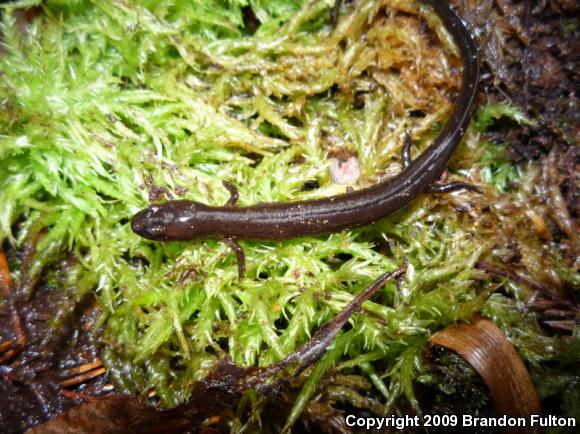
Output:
x=186 y=220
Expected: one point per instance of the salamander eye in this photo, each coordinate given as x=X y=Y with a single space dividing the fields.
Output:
x=152 y=210
x=139 y=222
x=159 y=215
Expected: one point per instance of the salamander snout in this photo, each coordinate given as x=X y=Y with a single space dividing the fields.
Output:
x=152 y=222
x=175 y=220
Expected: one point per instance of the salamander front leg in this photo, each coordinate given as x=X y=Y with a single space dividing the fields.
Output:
x=334 y=13
x=234 y=195
x=233 y=244
x=231 y=241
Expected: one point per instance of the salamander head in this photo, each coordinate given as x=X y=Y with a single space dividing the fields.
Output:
x=176 y=220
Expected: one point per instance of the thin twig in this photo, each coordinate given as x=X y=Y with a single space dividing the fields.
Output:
x=5 y=345
x=488 y=268
x=77 y=395
x=5 y=277
x=98 y=389
x=82 y=378
x=6 y=282
x=84 y=368
x=7 y=355
x=312 y=350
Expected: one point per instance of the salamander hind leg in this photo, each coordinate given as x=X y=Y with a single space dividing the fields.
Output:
x=406 y=152
x=452 y=186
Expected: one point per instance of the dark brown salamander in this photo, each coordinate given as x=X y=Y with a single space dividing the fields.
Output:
x=186 y=220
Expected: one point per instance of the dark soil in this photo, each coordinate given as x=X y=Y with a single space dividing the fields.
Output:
x=531 y=56
x=31 y=377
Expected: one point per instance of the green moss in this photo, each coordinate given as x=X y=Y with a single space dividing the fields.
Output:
x=485 y=117
x=496 y=169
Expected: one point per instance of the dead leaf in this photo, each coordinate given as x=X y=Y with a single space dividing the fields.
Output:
x=489 y=352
